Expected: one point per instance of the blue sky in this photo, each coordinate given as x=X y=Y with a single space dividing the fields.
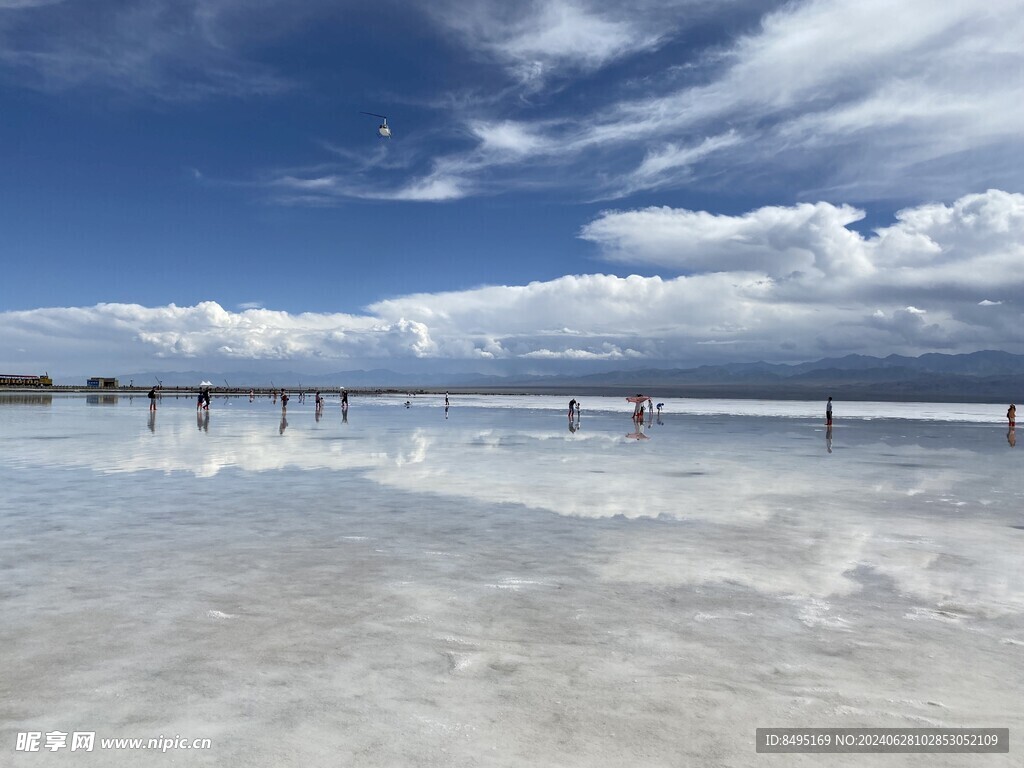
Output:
x=190 y=185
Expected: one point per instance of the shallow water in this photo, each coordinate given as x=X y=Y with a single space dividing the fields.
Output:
x=492 y=588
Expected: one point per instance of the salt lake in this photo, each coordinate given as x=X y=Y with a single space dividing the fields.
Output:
x=496 y=585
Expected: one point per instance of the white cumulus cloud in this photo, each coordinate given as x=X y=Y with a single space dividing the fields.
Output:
x=774 y=283
x=974 y=245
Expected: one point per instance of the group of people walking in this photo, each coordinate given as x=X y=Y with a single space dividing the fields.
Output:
x=203 y=399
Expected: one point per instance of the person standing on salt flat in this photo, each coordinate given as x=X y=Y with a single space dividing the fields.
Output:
x=828 y=413
x=637 y=404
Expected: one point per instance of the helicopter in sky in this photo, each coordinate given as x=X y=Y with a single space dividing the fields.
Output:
x=383 y=130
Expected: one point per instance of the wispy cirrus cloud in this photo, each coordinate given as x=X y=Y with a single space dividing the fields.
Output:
x=162 y=49
x=388 y=173
x=825 y=98
x=537 y=40
x=543 y=45
x=16 y=4
x=333 y=188
x=868 y=100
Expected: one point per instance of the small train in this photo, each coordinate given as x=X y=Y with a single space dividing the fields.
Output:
x=13 y=380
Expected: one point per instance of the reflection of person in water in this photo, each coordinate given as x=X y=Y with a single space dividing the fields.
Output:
x=1011 y=438
x=152 y=421
x=828 y=438
x=344 y=415
x=284 y=421
x=639 y=434
x=203 y=421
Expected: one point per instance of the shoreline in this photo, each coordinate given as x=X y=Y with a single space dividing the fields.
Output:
x=848 y=393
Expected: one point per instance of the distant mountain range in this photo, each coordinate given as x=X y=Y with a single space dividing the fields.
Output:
x=378 y=377
x=986 y=376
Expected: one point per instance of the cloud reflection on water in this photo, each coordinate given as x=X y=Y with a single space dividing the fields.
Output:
x=769 y=510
